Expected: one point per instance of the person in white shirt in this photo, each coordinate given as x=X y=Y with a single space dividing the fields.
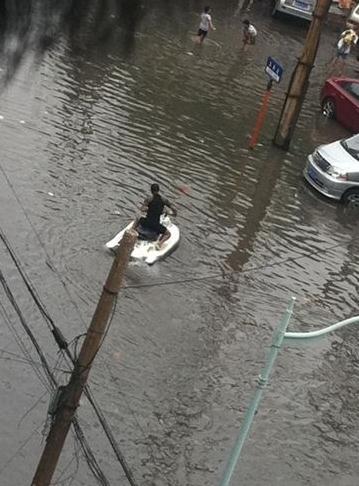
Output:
x=205 y=25
x=249 y=34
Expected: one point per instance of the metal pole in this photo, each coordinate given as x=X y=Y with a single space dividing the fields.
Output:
x=70 y=397
x=253 y=406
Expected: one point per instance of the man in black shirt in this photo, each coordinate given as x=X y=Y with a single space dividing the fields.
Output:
x=154 y=206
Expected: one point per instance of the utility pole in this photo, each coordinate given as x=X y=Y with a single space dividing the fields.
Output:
x=300 y=78
x=71 y=394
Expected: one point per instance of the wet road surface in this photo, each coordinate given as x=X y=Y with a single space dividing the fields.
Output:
x=82 y=138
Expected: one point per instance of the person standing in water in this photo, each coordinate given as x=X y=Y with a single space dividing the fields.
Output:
x=347 y=40
x=249 y=34
x=154 y=206
x=205 y=25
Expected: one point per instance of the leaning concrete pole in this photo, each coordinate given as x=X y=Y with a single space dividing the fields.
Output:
x=300 y=78
x=69 y=400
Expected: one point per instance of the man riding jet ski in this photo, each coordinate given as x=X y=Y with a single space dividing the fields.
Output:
x=150 y=227
x=158 y=236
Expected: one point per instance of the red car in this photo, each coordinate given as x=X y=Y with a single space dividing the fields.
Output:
x=340 y=100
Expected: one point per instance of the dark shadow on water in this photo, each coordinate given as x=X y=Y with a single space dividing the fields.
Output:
x=35 y=27
x=267 y=177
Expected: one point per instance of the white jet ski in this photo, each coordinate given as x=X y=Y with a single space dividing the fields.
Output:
x=146 y=249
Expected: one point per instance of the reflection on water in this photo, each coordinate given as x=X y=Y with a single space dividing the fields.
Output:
x=179 y=364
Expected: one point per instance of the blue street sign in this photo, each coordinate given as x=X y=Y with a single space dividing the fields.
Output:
x=274 y=69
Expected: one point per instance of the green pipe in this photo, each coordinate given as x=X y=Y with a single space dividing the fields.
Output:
x=253 y=406
x=321 y=332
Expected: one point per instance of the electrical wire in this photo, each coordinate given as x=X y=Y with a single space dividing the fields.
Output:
x=33 y=292
x=61 y=479
x=74 y=343
x=63 y=346
x=48 y=258
x=90 y=458
x=50 y=323
x=17 y=358
x=53 y=328
x=180 y=281
x=22 y=347
x=111 y=438
x=98 y=411
x=28 y=331
x=19 y=449
x=70 y=477
x=113 y=379
x=222 y=275
x=104 y=335
x=77 y=449
x=31 y=409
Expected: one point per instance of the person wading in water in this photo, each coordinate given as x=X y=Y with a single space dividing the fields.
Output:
x=249 y=34
x=205 y=25
x=154 y=206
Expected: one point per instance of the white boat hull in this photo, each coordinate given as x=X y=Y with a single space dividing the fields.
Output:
x=147 y=251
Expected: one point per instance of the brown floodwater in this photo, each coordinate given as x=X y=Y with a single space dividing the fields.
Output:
x=84 y=131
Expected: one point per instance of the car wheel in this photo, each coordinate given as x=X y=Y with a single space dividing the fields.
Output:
x=351 y=197
x=328 y=107
x=275 y=13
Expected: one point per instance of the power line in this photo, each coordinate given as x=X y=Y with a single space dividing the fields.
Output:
x=49 y=262
x=222 y=275
x=18 y=450
x=60 y=479
x=90 y=458
x=214 y=276
x=17 y=358
x=100 y=415
x=31 y=409
x=179 y=281
x=28 y=331
x=22 y=347
x=57 y=333
x=33 y=292
x=50 y=322
x=63 y=346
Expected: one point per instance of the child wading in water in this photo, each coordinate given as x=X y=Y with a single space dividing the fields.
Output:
x=205 y=25
x=249 y=34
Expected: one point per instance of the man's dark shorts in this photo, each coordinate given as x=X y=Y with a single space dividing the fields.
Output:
x=202 y=33
x=157 y=228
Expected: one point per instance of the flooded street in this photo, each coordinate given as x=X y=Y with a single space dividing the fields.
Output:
x=83 y=135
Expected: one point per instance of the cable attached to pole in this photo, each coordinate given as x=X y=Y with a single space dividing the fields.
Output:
x=63 y=346
x=90 y=458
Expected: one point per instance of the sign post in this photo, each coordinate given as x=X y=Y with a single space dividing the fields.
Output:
x=274 y=71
